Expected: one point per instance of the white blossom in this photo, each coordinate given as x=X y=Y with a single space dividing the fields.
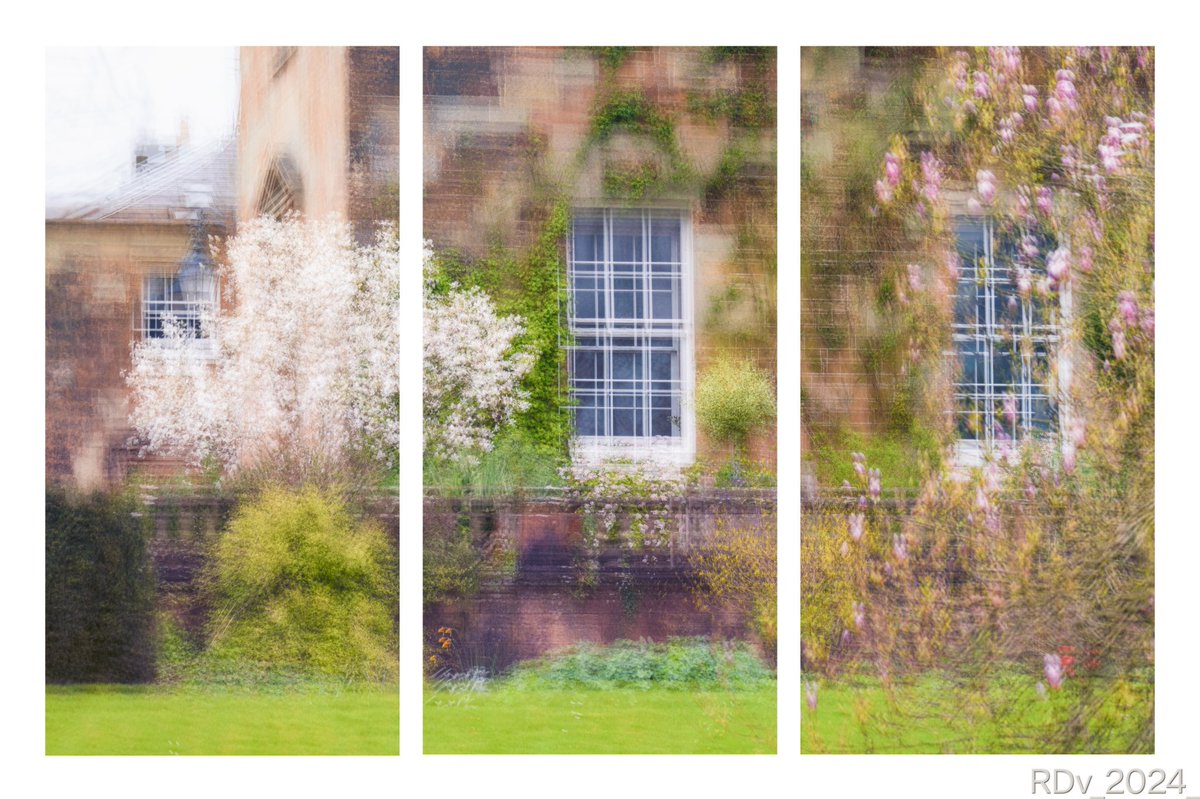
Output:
x=303 y=361
x=473 y=371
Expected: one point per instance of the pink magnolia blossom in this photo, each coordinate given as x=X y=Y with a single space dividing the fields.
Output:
x=982 y=88
x=985 y=186
x=1085 y=259
x=891 y=169
x=1127 y=307
x=1045 y=202
x=1146 y=323
x=1010 y=410
x=1118 y=344
x=857 y=523
x=931 y=173
x=1030 y=97
x=1052 y=667
x=1058 y=265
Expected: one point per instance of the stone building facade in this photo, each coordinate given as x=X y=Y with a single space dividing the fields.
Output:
x=674 y=144
x=319 y=133
x=662 y=161
x=106 y=265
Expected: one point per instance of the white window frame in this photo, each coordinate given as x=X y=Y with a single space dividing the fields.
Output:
x=667 y=450
x=149 y=310
x=971 y=452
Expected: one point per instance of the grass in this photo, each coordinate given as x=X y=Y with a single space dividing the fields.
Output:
x=682 y=696
x=162 y=720
x=511 y=719
x=937 y=716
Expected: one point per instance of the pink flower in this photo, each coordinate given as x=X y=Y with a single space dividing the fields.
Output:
x=931 y=172
x=1068 y=455
x=981 y=84
x=875 y=484
x=1078 y=432
x=1058 y=265
x=899 y=547
x=860 y=615
x=1147 y=322
x=1024 y=282
x=857 y=525
x=1053 y=668
x=1045 y=202
x=883 y=192
x=1118 y=344
x=1127 y=306
x=1030 y=97
x=1010 y=409
x=891 y=169
x=1085 y=259
x=952 y=265
x=985 y=186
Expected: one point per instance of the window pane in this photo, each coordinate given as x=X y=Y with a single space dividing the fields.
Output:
x=588 y=244
x=627 y=239
x=664 y=240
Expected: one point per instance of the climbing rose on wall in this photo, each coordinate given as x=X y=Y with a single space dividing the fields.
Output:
x=473 y=370
x=302 y=364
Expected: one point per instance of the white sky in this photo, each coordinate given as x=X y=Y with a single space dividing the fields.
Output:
x=102 y=102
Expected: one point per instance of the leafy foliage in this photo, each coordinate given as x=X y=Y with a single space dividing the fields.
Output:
x=738 y=566
x=683 y=663
x=733 y=399
x=298 y=582
x=472 y=370
x=100 y=623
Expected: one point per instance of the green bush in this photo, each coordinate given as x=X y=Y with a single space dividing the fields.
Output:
x=733 y=399
x=685 y=663
x=299 y=583
x=100 y=624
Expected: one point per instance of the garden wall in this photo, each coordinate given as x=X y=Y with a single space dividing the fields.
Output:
x=184 y=527
x=541 y=588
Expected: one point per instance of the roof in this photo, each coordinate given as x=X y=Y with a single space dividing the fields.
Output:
x=171 y=187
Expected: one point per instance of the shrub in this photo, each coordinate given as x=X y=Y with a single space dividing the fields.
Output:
x=685 y=663
x=733 y=399
x=299 y=583
x=100 y=624
x=738 y=567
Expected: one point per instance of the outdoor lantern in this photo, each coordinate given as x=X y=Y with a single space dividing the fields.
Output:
x=197 y=279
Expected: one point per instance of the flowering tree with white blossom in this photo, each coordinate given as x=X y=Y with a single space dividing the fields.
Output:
x=300 y=371
x=472 y=370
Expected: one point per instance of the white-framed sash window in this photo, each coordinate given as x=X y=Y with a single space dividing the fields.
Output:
x=1006 y=338
x=631 y=363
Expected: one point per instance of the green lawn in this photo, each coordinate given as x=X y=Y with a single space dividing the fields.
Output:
x=934 y=715
x=152 y=720
x=506 y=719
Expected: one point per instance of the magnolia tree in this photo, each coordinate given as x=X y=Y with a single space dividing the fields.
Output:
x=473 y=369
x=1039 y=562
x=300 y=367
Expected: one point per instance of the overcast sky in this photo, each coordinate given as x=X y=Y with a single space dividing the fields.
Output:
x=102 y=102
